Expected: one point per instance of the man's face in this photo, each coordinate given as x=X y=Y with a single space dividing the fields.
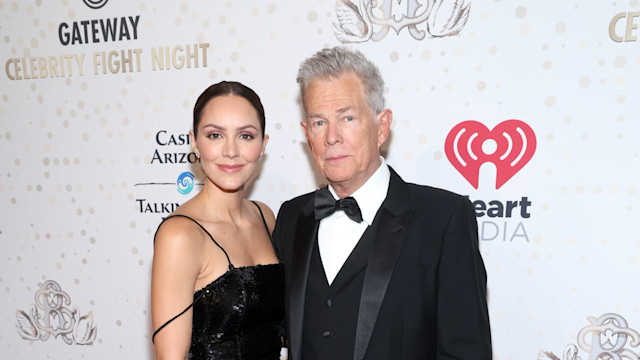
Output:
x=342 y=132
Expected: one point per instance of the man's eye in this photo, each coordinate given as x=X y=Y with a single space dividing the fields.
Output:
x=349 y=118
x=318 y=123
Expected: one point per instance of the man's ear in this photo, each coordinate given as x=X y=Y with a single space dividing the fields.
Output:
x=303 y=124
x=383 y=122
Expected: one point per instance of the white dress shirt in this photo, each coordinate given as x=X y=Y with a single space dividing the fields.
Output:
x=338 y=235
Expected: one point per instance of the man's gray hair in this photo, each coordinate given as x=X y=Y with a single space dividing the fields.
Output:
x=334 y=62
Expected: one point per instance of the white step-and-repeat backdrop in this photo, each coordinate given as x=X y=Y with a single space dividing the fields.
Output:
x=529 y=108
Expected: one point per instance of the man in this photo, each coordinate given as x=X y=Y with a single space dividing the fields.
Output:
x=397 y=277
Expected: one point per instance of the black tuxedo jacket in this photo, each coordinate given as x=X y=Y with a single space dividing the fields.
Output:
x=424 y=293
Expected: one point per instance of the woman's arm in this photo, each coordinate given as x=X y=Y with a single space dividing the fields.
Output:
x=176 y=264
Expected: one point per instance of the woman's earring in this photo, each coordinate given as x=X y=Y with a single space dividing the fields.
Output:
x=260 y=158
x=198 y=155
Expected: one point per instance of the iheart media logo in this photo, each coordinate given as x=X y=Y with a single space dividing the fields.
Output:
x=509 y=146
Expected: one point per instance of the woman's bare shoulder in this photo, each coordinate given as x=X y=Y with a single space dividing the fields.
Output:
x=179 y=231
x=269 y=217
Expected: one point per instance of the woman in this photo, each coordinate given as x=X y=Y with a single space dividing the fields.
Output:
x=217 y=289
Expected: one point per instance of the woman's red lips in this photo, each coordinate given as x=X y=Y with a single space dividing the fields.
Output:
x=230 y=168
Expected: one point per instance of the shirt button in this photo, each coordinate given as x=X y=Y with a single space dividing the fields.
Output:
x=329 y=303
x=326 y=334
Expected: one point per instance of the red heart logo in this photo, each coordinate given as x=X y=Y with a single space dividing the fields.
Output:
x=509 y=146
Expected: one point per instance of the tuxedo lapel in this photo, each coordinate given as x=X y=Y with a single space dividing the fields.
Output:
x=305 y=235
x=392 y=223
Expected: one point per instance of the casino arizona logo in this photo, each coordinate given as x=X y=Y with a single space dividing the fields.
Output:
x=509 y=146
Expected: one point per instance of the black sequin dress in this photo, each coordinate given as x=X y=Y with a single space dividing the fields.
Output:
x=237 y=316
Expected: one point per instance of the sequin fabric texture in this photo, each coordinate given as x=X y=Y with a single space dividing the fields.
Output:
x=238 y=315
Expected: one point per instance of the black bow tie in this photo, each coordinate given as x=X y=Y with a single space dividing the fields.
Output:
x=326 y=205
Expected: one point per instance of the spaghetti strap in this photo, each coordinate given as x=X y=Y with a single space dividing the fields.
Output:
x=203 y=229
x=275 y=250
x=153 y=337
x=263 y=220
